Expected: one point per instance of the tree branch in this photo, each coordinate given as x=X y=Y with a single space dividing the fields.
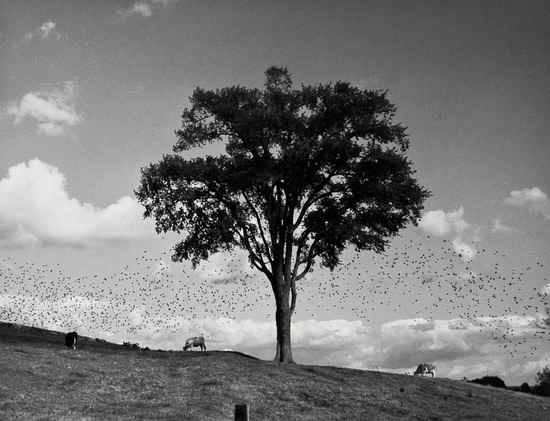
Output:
x=255 y=254
x=312 y=199
x=259 y=222
x=254 y=258
x=309 y=260
x=297 y=259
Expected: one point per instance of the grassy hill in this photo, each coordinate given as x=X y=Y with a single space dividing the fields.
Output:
x=41 y=378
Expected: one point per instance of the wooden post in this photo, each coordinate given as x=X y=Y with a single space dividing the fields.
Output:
x=241 y=412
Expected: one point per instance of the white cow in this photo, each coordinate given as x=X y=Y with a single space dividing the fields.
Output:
x=424 y=369
x=195 y=341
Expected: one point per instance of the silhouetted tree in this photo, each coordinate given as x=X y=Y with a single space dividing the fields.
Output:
x=306 y=173
x=543 y=382
x=525 y=388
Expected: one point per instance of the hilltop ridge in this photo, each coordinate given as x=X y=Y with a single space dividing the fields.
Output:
x=41 y=378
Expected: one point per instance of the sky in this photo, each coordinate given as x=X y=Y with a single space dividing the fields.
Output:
x=90 y=92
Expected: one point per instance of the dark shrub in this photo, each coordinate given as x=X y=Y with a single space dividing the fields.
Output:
x=525 y=388
x=490 y=381
x=131 y=345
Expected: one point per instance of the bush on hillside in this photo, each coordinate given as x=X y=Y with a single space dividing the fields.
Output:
x=490 y=381
x=525 y=388
x=131 y=345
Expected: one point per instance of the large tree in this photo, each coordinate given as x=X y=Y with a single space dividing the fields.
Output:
x=543 y=382
x=306 y=173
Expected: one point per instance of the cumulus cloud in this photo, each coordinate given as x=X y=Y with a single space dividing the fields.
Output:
x=458 y=347
x=468 y=275
x=369 y=82
x=36 y=209
x=53 y=111
x=466 y=252
x=141 y=8
x=44 y=31
x=225 y=267
x=314 y=341
x=161 y=269
x=533 y=199
x=145 y=8
x=404 y=342
x=499 y=227
x=395 y=345
x=440 y=224
x=452 y=343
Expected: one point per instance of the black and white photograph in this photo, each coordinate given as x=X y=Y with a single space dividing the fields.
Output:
x=270 y=210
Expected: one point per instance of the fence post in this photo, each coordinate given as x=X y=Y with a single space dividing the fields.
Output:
x=241 y=412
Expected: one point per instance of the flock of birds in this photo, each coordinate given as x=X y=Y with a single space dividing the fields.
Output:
x=434 y=284
x=414 y=279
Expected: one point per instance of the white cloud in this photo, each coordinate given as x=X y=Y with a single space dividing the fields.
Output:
x=466 y=252
x=394 y=345
x=313 y=340
x=533 y=199
x=44 y=31
x=35 y=209
x=52 y=110
x=225 y=267
x=455 y=345
x=145 y=8
x=161 y=268
x=526 y=196
x=440 y=224
x=458 y=347
x=141 y=8
x=468 y=276
x=499 y=227
x=369 y=82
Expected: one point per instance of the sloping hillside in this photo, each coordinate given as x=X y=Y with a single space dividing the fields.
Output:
x=40 y=378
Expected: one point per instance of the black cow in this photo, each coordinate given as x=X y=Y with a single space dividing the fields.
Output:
x=71 y=339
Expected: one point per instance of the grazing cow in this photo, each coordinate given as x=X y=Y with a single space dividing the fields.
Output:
x=423 y=369
x=196 y=341
x=71 y=339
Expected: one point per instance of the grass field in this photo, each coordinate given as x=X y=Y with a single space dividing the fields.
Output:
x=41 y=379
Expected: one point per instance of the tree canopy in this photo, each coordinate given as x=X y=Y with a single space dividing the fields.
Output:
x=543 y=382
x=306 y=173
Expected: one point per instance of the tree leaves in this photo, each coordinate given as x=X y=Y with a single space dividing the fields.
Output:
x=306 y=173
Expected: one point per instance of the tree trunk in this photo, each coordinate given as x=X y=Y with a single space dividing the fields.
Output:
x=283 y=315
